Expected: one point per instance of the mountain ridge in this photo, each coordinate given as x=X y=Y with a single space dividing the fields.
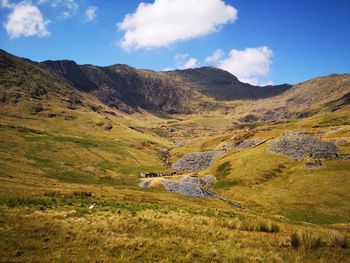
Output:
x=186 y=91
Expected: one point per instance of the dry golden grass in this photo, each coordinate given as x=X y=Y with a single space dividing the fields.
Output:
x=49 y=167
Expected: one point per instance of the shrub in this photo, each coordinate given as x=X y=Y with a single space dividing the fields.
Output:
x=82 y=194
x=263 y=227
x=295 y=239
x=246 y=226
x=341 y=241
x=52 y=194
x=307 y=239
x=274 y=228
x=311 y=240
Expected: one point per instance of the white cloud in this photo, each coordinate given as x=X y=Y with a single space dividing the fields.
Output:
x=183 y=61
x=164 y=22
x=249 y=65
x=67 y=8
x=71 y=7
x=26 y=20
x=179 y=58
x=90 y=14
x=215 y=57
x=190 y=63
x=6 y=4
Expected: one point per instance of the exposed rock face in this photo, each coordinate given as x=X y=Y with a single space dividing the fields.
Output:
x=249 y=118
x=196 y=161
x=124 y=87
x=37 y=108
x=23 y=80
x=127 y=88
x=298 y=145
x=222 y=85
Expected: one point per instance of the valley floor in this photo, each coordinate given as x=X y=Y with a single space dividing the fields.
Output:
x=69 y=192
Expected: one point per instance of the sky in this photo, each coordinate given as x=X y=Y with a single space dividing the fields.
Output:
x=260 y=41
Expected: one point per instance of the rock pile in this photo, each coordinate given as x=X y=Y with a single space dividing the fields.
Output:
x=196 y=161
x=298 y=145
x=145 y=184
x=206 y=181
x=249 y=144
x=190 y=186
x=186 y=189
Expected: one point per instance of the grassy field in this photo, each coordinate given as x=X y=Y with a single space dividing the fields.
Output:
x=53 y=169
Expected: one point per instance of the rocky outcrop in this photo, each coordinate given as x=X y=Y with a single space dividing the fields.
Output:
x=222 y=85
x=196 y=161
x=123 y=87
x=298 y=145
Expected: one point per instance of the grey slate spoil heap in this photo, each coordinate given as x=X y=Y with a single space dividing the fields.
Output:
x=196 y=161
x=298 y=146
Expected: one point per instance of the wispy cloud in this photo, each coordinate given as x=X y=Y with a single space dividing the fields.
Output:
x=183 y=61
x=91 y=13
x=67 y=8
x=215 y=57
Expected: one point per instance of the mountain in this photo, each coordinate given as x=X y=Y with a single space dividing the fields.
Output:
x=23 y=80
x=127 y=88
x=124 y=87
x=176 y=92
x=87 y=152
x=222 y=85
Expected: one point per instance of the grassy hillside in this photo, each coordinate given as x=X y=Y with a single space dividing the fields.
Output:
x=63 y=151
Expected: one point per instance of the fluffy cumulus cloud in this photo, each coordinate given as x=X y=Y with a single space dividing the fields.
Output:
x=90 y=14
x=25 y=20
x=164 y=22
x=249 y=65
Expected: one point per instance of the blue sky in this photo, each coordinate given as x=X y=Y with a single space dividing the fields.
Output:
x=261 y=42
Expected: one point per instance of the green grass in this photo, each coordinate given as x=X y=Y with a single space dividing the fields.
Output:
x=52 y=170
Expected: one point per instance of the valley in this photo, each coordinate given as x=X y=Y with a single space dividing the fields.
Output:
x=75 y=136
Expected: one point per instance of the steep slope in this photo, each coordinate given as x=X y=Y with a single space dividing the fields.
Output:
x=124 y=87
x=222 y=85
x=179 y=91
x=317 y=91
x=323 y=94
x=23 y=81
x=49 y=128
